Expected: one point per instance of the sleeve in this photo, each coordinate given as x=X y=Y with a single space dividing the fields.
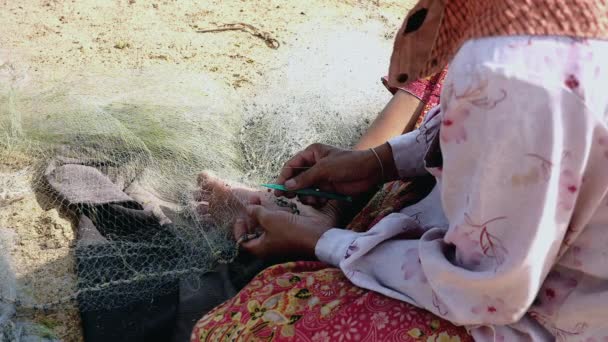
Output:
x=409 y=149
x=514 y=150
x=427 y=90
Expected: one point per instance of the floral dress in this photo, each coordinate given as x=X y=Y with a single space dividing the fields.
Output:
x=512 y=241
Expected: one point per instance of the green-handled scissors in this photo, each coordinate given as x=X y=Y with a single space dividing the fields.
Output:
x=311 y=192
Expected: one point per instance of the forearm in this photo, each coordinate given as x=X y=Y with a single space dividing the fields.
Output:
x=399 y=116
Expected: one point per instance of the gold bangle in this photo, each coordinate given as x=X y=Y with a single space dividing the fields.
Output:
x=379 y=162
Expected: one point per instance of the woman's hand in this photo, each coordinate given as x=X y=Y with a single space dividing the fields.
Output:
x=337 y=170
x=283 y=233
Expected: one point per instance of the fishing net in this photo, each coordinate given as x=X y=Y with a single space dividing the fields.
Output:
x=123 y=161
x=113 y=160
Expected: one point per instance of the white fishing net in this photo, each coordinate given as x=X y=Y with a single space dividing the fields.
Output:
x=113 y=159
x=116 y=157
x=81 y=143
x=328 y=91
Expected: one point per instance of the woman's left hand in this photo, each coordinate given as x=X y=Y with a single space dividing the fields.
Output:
x=283 y=233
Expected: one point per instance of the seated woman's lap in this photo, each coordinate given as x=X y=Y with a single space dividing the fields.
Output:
x=309 y=301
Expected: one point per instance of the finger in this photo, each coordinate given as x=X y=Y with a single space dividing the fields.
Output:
x=299 y=163
x=204 y=178
x=201 y=179
x=288 y=194
x=296 y=164
x=268 y=220
x=308 y=179
x=202 y=208
x=308 y=200
x=258 y=214
x=239 y=229
x=255 y=200
x=256 y=246
x=201 y=195
x=314 y=201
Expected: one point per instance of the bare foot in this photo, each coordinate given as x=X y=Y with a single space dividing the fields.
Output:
x=225 y=202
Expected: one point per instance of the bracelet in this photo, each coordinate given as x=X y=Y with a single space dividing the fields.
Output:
x=379 y=162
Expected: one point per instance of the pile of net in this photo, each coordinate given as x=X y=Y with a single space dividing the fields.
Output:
x=122 y=162
x=116 y=158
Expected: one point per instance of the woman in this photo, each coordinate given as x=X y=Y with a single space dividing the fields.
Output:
x=510 y=241
x=406 y=110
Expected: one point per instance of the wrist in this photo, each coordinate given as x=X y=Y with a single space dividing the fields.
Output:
x=309 y=241
x=385 y=162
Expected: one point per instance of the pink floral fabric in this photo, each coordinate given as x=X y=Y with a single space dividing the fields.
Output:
x=512 y=241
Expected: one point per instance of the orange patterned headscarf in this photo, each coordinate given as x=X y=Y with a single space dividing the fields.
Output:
x=434 y=30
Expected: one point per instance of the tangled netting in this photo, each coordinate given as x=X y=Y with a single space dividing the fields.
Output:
x=115 y=157
x=121 y=156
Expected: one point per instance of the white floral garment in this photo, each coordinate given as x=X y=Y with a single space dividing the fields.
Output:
x=513 y=240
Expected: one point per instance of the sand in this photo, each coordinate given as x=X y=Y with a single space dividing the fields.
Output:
x=41 y=256
x=68 y=36
x=55 y=38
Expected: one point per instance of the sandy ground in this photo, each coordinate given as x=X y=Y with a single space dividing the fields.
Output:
x=61 y=37
x=68 y=36
x=42 y=254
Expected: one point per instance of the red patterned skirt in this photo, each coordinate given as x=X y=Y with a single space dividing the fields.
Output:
x=309 y=301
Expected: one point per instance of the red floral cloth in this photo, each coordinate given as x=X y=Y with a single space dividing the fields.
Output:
x=310 y=301
x=393 y=197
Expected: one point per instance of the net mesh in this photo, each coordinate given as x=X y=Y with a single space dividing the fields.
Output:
x=113 y=161
x=74 y=150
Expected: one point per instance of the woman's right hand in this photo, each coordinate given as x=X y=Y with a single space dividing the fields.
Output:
x=337 y=170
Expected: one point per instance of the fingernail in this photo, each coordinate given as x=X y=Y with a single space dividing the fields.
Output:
x=290 y=184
